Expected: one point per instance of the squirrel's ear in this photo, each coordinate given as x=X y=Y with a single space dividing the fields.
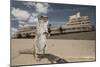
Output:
x=41 y=16
x=46 y=17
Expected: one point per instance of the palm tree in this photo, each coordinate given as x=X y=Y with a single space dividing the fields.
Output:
x=61 y=29
x=28 y=35
x=19 y=35
x=49 y=28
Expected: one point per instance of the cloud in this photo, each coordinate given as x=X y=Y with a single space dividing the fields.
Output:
x=20 y=14
x=29 y=4
x=42 y=7
x=25 y=18
x=21 y=22
x=13 y=30
x=20 y=25
x=28 y=25
x=33 y=18
x=24 y=24
x=39 y=7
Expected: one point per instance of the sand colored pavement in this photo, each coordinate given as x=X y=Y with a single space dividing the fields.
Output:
x=69 y=50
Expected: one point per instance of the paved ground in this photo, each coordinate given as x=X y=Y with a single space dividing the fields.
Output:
x=76 y=36
x=65 y=50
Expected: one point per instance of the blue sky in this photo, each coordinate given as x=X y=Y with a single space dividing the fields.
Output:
x=58 y=14
x=61 y=12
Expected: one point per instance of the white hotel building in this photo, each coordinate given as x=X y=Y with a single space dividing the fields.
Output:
x=76 y=23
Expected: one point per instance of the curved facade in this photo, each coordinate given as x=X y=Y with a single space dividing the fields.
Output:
x=76 y=23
